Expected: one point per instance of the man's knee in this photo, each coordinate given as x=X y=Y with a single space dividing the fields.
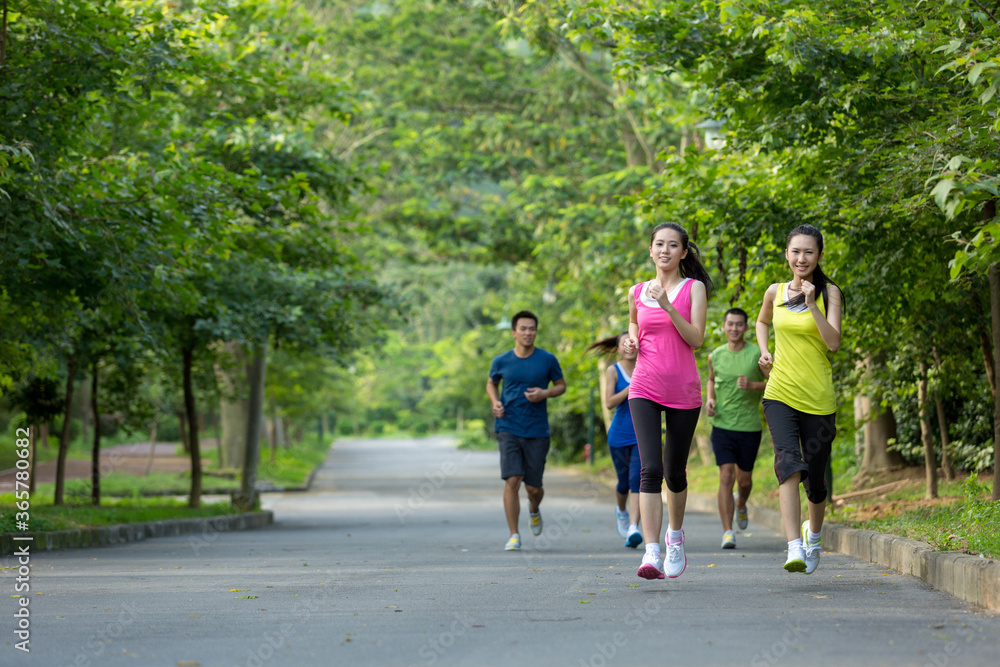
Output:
x=727 y=474
x=513 y=482
x=533 y=490
x=744 y=478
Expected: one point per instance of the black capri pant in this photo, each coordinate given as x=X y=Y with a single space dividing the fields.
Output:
x=802 y=444
x=663 y=460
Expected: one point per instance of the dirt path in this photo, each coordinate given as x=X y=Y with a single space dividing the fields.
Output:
x=130 y=459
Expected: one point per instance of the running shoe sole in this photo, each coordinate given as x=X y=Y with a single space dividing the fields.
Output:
x=647 y=571
x=796 y=565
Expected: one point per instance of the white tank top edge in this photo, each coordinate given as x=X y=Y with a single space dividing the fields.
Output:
x=647 y=301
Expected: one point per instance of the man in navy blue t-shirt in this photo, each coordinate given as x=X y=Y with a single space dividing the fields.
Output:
x=522 y=422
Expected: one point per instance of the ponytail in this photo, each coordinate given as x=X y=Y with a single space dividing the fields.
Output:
x=607 y=345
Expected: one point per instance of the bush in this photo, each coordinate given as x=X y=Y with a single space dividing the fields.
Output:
x=475 y=436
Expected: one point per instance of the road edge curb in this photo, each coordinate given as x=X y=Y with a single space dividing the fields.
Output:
x=100 y=536
x=970 y=578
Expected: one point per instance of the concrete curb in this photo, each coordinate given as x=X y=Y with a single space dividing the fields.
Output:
x=133 y=532
x=969 y=578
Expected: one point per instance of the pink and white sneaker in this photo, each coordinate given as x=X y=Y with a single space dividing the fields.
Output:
x=651 y=568
x=676 y=558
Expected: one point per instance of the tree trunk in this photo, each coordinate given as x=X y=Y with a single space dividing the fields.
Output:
x=43 y=433
x=84 y=411
x=879 y=428
x=95 y=453
x=194 y=500
x=272 y=439
x=246 y=500
x=704 y=450
x=994 y=276
x=64 y=433
x=233 y=406
x=859 y=434
x=930 y=461
x=946 y=468
x=152 y=447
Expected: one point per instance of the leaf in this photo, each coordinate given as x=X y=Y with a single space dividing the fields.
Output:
x=941 y=191
x=246 y=597
x=585 y=601
x=976 y=71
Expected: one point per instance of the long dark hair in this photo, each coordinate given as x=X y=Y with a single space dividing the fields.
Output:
x=691 y=266
x=607 y=345
x=820 y=279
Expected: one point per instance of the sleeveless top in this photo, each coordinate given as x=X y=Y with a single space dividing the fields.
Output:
x=665 y=370
x=801 y=376
x=621 y=433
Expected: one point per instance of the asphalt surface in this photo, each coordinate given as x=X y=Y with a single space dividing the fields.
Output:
x=396 y=558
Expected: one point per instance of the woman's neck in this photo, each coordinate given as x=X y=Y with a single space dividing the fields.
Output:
x=668 y=278
x=628 y=365
x=796 y=282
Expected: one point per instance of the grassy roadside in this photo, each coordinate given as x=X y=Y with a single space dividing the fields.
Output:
x=122 y=493
x=114 y=511
x=961 y=519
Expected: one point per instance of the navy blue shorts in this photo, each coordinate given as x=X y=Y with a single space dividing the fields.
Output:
x=524 y=457
x=628 y=467
x=739 y=447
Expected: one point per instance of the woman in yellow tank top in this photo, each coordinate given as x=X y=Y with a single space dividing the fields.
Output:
x=798 y=402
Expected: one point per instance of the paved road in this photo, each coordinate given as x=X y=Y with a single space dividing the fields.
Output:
x=396 y=559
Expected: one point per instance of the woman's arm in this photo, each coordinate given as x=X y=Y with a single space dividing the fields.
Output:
x=631 y=344
x=613 y=399
x=828 y=325
x=763 y=329
x=692 y=332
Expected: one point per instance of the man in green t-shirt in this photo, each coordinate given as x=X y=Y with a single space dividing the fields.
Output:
x=735 y=386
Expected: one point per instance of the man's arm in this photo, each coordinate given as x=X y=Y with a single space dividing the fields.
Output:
x=493 y=391
x=535 y=394
x=710 y=392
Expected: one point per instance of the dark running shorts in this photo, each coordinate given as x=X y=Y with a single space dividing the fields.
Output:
x=522 y=456
x=739 y=447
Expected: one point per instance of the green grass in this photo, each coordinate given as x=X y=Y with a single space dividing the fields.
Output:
x=970 y=524
x=114 y=511
x=290 y=468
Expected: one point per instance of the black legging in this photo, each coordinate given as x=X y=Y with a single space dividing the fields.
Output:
x=657 y=457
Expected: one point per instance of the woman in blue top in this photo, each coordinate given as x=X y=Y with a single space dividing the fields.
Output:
x=621 y=438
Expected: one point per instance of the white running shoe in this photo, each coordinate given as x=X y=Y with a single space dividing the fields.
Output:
x=796 y=560
x=651 y=568
x=623 y=522
x=514 y=543
x=676 y=558
x=813 y=550
x=728 y=540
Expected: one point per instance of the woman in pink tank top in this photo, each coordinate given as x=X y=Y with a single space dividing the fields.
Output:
x=666 y=326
